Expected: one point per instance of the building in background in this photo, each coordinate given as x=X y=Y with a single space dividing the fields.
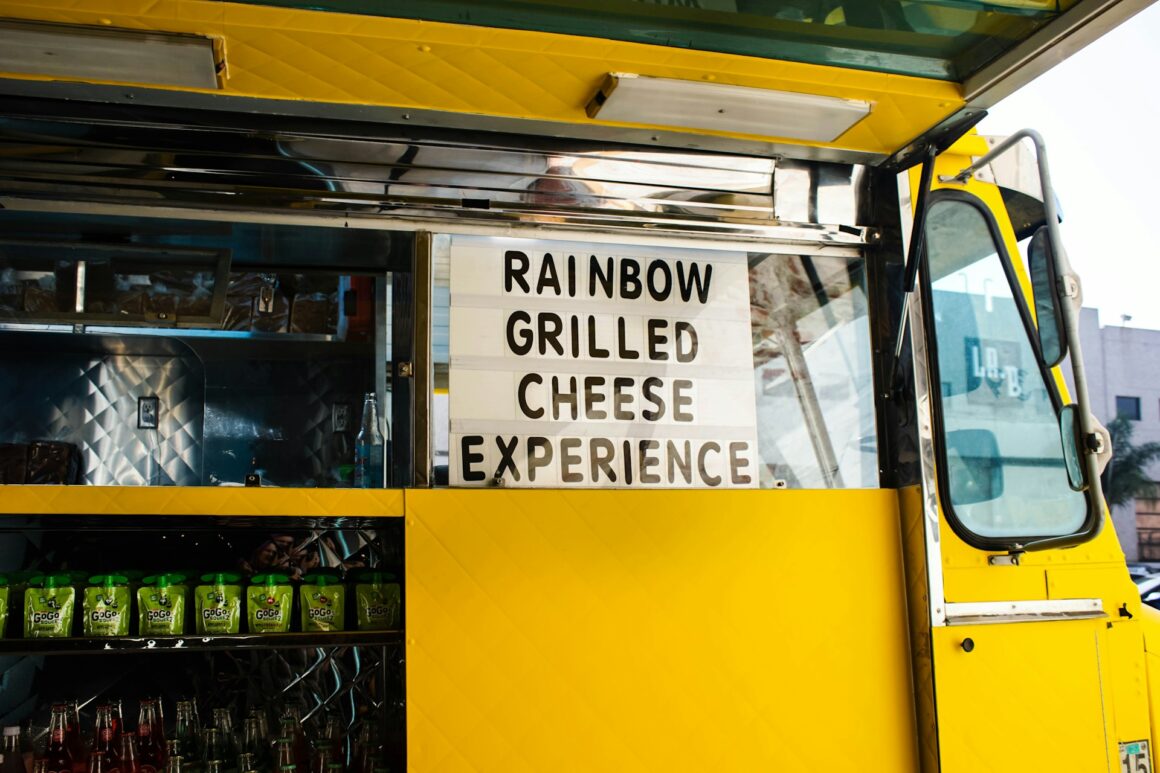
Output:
x=1123 y=372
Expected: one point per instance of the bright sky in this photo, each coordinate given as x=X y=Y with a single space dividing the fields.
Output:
x=1099 y=113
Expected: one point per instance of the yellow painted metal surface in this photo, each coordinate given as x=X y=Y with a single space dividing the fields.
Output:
x=280 y=53
x=1027 y=697
x=656 y=630
x=209 y=500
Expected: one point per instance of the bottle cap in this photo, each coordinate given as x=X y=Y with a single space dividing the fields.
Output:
x=321 y=578
x=269 y=579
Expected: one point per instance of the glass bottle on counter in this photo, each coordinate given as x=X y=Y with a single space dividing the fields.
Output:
x=150 y=738
x=57 y=756
x=369 y=447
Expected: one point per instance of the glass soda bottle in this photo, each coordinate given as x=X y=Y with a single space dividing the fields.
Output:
x=186 y=733
x=173 y=764
x=105 y=738
x=57 y=755
x=40 y=766
x=369 y=447
x=254 y=744
x=286 y=754
x=127 y=754
x=76 y=744
x=224 y=722
x=150 y=738
x=97 y=763
x=13 y=758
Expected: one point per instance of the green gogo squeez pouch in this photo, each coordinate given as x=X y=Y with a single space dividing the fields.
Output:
x=3 y=604
x=323 y=600
x=219 y=604
x=161 y=606
x=269 y=601
x=107 y=605
x=378 y=598
x=49 y=604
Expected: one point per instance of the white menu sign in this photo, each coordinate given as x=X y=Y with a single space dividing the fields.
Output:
x=597 y=365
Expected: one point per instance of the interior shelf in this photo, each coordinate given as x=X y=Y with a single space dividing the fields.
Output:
x=129 y=644
x=144 y=502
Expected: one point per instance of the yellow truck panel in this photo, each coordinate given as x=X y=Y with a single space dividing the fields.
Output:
x=664 y=630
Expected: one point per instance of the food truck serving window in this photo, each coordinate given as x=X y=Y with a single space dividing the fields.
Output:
x=1001 y=458
x=570 y=364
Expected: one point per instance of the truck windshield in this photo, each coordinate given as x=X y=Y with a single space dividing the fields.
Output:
x=1002 y=470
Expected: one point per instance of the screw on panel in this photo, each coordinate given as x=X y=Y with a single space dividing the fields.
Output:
x=968 y=644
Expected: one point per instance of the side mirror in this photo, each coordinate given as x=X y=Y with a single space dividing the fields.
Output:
x=1072 y=439
x=974 y=466
x=1048 y=306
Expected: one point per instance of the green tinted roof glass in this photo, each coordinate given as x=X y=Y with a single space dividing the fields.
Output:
x=944 y=39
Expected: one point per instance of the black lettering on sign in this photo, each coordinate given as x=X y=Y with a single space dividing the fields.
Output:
x=548 y=276
x=550 y=328
x=620 y=399
x=515 y=265
x=574 y=323
x=600 y=454
x=648 y=388
x=648 y=461
x=629 y=279
x=627 y=462
x=737 y=463
x=594 y=351
x=539 y=455
x=571 y=276
x=522 y=395
x=506 y=457
x=685 y=337
x=658 y=291
x=622 y=341
x=568 y=459
x=677 y=462
x=687 y=283
x=681 y=400
x=559 y=396
x=657 y=339
x=606 y=276
x=469 y=458
x=592 y=396
x=702 y=466
x=519 y=341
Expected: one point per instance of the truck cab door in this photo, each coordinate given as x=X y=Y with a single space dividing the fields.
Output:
x=1034 y=666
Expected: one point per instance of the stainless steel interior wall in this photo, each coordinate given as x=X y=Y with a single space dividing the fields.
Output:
x=90 y=400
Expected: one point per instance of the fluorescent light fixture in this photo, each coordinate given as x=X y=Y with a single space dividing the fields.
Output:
x=101 y=54
x=629 y=98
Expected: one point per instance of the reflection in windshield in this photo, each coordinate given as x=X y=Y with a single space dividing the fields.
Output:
x=1007 y=478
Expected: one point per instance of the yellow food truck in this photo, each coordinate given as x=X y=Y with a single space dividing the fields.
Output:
x=546 y=385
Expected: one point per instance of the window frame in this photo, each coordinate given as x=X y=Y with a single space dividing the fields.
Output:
x=1138 y=411
x=1091 y=521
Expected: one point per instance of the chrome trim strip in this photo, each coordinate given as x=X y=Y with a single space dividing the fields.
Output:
x=976 y=612
x=820 y=241
x=934 y=568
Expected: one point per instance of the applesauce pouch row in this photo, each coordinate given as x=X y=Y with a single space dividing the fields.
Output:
x=51 y=604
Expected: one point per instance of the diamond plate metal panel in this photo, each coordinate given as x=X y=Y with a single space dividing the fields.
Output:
x=91 y=401
x=677 y=631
